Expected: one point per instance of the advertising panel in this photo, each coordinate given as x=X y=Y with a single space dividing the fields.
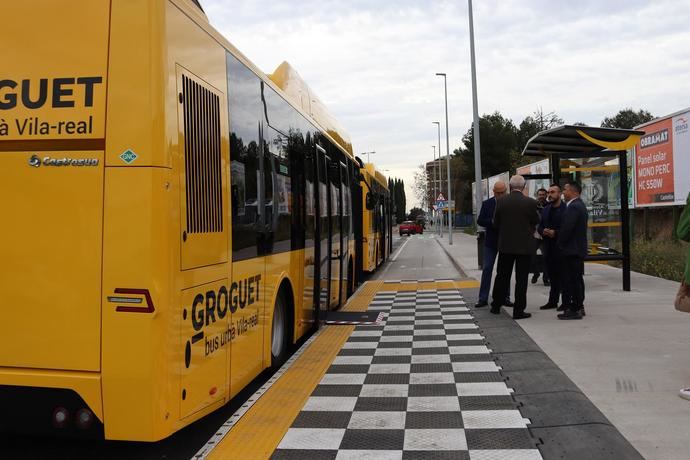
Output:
x=662 y=162
x=485 y=194
x=654 y=165
x=488 y=188
x=681 y=156
x=539 y=167
x=505 y=177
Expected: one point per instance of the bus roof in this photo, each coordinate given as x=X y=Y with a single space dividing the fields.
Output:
x=376 y=174
x=193 y=9
x=287 y=79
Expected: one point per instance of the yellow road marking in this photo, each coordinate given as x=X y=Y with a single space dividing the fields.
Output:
x=260 y=430
x=466 y=284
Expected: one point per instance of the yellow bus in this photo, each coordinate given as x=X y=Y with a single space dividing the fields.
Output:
x=173 y=219
x=376 y=218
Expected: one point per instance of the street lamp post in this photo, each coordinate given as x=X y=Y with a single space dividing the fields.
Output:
x=450 y=220
x=438 y=126
x=475 y=109
x=367 y=154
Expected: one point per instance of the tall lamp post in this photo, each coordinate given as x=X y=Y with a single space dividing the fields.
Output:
x=438 y=125
x=433 y=192
x=450 y=220
x=475 y=109
x=367 y=154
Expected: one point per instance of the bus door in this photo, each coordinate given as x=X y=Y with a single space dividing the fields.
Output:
x=384 y=229
x=323 y=204
x=346 y=229
x=335 y=230
x=312 y=218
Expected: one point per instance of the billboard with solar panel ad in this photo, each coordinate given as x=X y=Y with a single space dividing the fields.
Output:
x=662 y=161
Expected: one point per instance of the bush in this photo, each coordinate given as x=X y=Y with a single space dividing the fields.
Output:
x=663 y=259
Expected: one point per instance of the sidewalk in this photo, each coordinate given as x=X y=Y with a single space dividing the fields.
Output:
x=630 y=355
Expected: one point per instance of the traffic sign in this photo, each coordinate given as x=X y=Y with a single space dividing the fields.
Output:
x=441 y=197
x=442 y=204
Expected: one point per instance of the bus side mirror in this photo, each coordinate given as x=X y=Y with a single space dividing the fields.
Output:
x=370 y=201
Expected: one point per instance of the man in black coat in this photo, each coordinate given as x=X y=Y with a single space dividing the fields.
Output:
x=515 y=218
x=549 y=228
x=572 y=242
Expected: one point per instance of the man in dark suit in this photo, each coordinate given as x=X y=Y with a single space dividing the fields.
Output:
x=485 y=219
x=549 y=228
x=515 y=218
x=572 y=242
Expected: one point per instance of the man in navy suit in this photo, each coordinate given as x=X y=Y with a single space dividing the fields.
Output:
x=485 y=219
x=572 y=242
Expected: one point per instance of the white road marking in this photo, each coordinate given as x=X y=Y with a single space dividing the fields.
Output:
x=397 y=253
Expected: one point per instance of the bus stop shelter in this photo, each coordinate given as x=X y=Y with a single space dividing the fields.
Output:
x=597 y=158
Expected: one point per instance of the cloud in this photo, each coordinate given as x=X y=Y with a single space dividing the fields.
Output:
x=373 y=62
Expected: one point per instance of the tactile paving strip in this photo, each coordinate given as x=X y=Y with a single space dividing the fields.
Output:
x=421 y=385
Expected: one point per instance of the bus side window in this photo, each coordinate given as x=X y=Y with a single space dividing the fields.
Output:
x=244 y=105
x=281 y=131
x=309 y=191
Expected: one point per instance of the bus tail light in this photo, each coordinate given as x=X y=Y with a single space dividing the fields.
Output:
x=84 y=418
x=60 y=417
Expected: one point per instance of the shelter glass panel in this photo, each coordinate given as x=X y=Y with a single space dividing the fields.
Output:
x=601 y=193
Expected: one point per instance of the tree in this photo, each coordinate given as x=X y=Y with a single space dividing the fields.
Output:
x=498 y=141
x=535 y=123
x=403 y=197
x=420 y=186
x=398 y=195
x=627 y=119
x=416 y=212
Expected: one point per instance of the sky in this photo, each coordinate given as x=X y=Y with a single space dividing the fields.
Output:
x=373 y=63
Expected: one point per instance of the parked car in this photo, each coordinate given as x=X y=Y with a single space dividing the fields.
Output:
x=410 y=228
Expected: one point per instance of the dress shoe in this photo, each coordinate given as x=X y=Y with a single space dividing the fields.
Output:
x=535 y=278
x=582 y=311
x=508 y=303
x=570 y=314
x=495 y=310
x=481 y=303
x=522 y=315
x=561 y=308
x=548 y=306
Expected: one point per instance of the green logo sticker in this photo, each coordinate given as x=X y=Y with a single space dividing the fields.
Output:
x=128 y=156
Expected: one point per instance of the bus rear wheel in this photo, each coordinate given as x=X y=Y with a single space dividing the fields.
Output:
x=279 y=333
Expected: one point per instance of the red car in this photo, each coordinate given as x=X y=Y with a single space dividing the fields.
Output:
x=410 y=228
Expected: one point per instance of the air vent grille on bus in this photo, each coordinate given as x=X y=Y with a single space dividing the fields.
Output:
x=202 y=156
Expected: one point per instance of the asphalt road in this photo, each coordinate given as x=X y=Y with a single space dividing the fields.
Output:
x=418 y=257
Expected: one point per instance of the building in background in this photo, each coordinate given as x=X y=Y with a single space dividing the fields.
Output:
x=434 y=169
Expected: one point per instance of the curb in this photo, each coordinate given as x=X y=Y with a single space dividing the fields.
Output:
x=452 y=260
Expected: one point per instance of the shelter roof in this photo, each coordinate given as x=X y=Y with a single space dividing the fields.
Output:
x=580 y=140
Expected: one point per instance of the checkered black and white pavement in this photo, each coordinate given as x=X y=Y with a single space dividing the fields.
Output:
x=423 y=385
